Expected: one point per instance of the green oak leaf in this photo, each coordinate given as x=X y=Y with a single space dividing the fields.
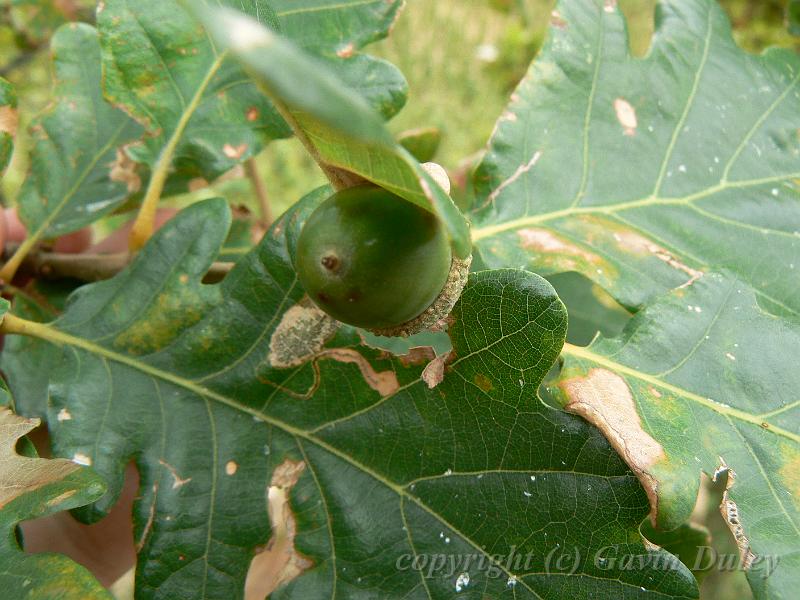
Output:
x=198 y=103
x=25 y=359
x=79 y=137
x=703 y=380
x=8 y=122
x=33 y=487
x=216 y=394
x=341 y=129
x=643 y=173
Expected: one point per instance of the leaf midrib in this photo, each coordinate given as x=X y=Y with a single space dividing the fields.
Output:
x=49 y=334
x=487 y=231
x=725 y=410
x=654 y=199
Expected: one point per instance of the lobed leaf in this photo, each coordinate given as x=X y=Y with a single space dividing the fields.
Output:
x=340 y=126
x=32 y=487
x=219 y=396
x=642 y=174
x=702 y=380
x=163 y=69
x=80 y=138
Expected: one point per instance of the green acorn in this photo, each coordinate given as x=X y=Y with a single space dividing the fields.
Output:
x=371 y=259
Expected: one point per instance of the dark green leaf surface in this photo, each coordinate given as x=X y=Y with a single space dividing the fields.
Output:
x=689 y=542
x=79 y=139
x=161 y=66
x=185 y=378
x=8 y=122
x=341 y=127
x=32 y=487
x=704 y=380
x=642 y=173
x=25 y=361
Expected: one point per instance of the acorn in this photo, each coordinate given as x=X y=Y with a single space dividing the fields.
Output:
x=372 y=259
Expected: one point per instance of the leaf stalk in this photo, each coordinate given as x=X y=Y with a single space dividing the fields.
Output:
x=145 y=220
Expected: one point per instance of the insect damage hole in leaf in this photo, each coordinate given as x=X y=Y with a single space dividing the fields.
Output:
x=626 y=115
x=383 y=382
x=730 y=513
x=300 y=335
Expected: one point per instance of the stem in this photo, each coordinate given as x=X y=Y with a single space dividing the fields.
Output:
x=340 y=179
x=34 y=235
x=13 y=264
x=144 y=224
x=251 y=169
x=93 y=267
x=14 y=324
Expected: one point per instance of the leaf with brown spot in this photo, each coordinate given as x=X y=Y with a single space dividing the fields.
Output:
x=594 y=145
x=433 y=373
x=161 y=67
x=32 y=487
x=703 y=378
x=603 y=398
x=80 y=136
x=301 y=335
x=279 y=562
x=391 y=468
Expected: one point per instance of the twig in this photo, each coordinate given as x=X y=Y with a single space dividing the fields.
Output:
x=94 y=267
x=265 y=216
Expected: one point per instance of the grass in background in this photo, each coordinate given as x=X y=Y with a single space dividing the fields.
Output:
x=442 y=48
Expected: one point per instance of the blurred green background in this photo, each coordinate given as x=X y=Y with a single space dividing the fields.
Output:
x=462 y=58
